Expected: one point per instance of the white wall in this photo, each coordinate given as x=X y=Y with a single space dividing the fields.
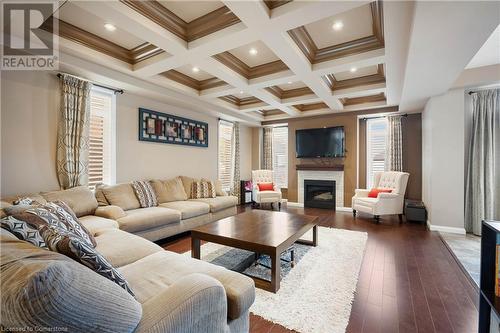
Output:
x=29 y=109
x=443 y=148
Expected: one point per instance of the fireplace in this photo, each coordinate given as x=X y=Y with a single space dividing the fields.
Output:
x=319 y=194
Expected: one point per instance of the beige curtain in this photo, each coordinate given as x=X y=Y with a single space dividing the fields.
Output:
x=235 y=188
x=482 y=188
x=73 y=132
x=267 y=160
x=394 y=146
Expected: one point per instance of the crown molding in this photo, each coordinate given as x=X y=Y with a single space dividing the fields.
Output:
x=188 y=31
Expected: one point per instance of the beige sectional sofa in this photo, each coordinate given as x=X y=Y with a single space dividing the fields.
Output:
x=176 y=211
x=173 y=292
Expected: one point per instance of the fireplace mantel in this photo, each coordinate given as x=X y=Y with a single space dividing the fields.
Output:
x=319 y=167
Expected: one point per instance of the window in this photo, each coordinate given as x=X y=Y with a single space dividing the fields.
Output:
x=102 y=137
x=376 y=131
x=280 y=156
x=225 y=154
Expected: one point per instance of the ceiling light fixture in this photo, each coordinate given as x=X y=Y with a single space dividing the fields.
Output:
x=353 y=69
x=109 y=27
x=253 y=51
x=195 y=69
x=241 y=91
x=289 y=82
x=338 y=25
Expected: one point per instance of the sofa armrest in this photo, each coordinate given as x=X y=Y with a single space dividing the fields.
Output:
x=110 y=212
x=361 y=193
x=197 y=303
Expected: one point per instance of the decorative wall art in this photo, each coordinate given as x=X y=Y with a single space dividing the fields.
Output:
x=165 y=128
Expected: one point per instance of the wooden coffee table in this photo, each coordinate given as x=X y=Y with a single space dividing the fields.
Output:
x=260 y=231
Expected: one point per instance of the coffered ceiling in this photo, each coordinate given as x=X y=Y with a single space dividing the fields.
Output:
x=260 y=60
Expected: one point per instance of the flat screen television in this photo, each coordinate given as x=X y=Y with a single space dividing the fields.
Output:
x=320 y=142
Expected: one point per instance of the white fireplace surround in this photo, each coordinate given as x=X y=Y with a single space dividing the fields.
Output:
x=337 y=176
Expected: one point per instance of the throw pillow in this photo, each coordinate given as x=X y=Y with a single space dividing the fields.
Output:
x=202 y=189
x=67 y=243
x=26 y=201
x=211 y=189
x=23 y=231
x=55 y=214
x=266 y=186
x=145 y=193
x=375 y=191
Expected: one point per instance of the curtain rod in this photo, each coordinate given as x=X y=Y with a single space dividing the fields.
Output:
x=402 y=115
x=116 y=91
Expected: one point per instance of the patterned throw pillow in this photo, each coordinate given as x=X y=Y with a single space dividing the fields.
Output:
x=203 y=189
x=26 y=201
x=23 y=231
x=145 y=193
x=58 y=214
x=67 y=243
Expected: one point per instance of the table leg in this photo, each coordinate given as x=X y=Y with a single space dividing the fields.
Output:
x=275 y=272
x=315 y=235
x=195 y=248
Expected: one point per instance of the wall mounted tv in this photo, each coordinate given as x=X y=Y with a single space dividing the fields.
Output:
x=320 y=142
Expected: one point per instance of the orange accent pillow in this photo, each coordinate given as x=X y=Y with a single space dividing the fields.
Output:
x=375 y=191
x=266 y=186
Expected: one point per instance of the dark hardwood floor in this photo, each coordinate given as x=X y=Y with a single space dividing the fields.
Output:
x=409 y=281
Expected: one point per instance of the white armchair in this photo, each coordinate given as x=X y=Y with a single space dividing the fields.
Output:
x=259 y=197
x=384 y=203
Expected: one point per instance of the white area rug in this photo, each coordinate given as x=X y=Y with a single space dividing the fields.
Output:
x=317 y=294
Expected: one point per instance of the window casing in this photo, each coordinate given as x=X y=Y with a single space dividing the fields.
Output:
x=102 y=137
x=280 y=156
x=376 y=132
x=225 y=154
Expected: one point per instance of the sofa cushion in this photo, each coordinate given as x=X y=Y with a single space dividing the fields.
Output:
x=219 y=203
x=99 y=195
x=148 y=218
x=187 y=182
x=73 y=297
x=95 y=224
x=122 y=248
x=80 y=199
x=169 y=190
x=189 y=208
x=121 y=195
x=160 y=275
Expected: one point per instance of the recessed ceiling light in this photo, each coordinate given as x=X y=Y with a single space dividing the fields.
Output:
x=353 y=69
x=195 y=69
x=109 y=27
x=338 y=25
x=289 y=82
x=253 y=51
x=241 y=91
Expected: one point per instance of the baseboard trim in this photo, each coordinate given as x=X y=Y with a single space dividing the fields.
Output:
x=301 y=205
x=452 y=230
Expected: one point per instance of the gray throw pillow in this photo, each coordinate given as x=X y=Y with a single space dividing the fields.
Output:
x=44 y=289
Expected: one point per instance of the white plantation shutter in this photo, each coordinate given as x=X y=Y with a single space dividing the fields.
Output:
x=376 y=132
x=225 y=154
x=101 y=150
x=280 y=156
